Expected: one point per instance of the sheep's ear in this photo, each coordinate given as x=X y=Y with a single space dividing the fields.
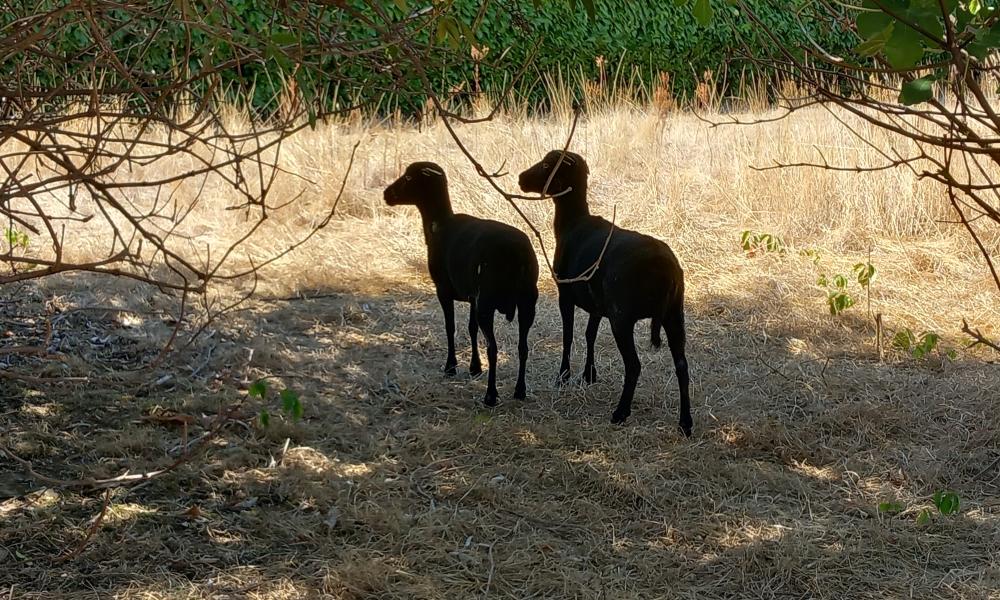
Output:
x=430 y=171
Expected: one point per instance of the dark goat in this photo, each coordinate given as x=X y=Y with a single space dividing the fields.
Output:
x=486 y=263
x=638 y=278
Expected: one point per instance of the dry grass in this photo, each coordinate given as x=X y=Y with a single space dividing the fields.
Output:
x=397 y=484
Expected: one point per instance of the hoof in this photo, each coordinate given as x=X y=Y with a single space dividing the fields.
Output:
x=520 y=393
x=490 y=399
x=563 y=377
x=686 y=429
x=475 y=370
x=619 y=417
x=450 y=370
x=590 y=375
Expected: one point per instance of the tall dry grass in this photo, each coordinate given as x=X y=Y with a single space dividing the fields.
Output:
x=673 y=176
x=689 y=178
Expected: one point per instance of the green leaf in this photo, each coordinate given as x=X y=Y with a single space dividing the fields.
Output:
x=864 y=272
x=839 y=301
x=923 y=517
x=840 y=281
x=265 y=418
x=974 y=6
x=441 y=31
x=903 y=339
x=904 y=49
x=401 y=5
x=951 y=354
x=985 y=41
x=927 y=14
x=917 y=91
x=928 y=341
x=962 y=19
x=283 y=38
x=875 y=43
x=466 y=31
x=258 y=388
x=891 y=507
x=453 y=31
x=291 y=404
x=814 y=254
x=703 y=12
x=872 y=22
x=947 y=503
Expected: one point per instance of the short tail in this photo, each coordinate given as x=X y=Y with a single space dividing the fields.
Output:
x=673 y=301
x=654 y=332
x=527 y=287
x=508 y=312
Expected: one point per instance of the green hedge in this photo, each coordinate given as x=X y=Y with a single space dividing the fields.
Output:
x=635 y=35
x=646 y=37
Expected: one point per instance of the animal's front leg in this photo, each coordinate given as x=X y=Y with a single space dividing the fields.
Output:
x=448 y=307
x=566 y=310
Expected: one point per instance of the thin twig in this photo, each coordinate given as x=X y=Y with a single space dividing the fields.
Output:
x=90 y=532
x=978 y=338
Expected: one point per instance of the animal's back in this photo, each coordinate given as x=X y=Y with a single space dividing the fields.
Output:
x=490 y=257
x=633 y=261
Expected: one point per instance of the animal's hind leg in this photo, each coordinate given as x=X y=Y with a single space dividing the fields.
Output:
x=625 y=339
x=485 y=316
x=674 y=325
x=475 y=365
x=589 y=370
x=525 y=319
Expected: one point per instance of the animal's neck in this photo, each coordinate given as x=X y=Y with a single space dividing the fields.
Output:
x=570 y=207
x=435 y=214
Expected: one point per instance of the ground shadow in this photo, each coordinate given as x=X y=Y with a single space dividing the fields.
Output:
x=398 y=483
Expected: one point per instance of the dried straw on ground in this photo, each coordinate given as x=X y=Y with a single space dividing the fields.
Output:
x=397 y=484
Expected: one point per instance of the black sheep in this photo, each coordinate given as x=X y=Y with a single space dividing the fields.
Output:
x=486 y=263
x=638 y=278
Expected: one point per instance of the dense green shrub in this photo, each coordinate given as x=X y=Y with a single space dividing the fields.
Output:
x=633 y=36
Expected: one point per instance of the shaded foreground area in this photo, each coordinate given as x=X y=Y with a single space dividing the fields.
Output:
x=398 y=484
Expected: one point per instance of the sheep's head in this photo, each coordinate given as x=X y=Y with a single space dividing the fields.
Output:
x=572 y=173
x=422 y=182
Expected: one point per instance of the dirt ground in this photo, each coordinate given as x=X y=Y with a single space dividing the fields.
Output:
x=397 y=483
x=817 y=450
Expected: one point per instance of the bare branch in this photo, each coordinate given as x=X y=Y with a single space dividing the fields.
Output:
x=977 y=337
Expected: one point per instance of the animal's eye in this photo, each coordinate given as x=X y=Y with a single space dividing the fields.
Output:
x=545 y=165
x=408 y=178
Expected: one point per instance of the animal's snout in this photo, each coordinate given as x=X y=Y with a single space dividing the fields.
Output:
x=525 y=179
x=389 y=195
